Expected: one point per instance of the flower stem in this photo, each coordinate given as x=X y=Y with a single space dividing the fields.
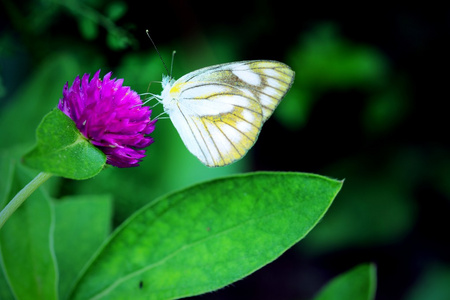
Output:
x=22 y=195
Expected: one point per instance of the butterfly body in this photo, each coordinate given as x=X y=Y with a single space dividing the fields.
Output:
x=219 y=110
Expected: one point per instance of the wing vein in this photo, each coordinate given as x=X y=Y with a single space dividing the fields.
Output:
x=214 y=142
x=193 y=134
x=226 y=136
x=249 y=138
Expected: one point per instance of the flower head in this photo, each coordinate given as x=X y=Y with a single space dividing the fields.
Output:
x=110 y=116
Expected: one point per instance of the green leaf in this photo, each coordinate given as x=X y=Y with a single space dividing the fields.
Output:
x=6 y=172
x=82 y=223
x=26 y=245
x=7 y=168
x=207 y=236
x=62 y=150
x=5 y=291
x=358 y=283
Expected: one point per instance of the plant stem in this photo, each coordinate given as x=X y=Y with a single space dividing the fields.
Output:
x=22 y=195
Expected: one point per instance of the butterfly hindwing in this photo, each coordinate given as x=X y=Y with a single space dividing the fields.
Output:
x=219 y=111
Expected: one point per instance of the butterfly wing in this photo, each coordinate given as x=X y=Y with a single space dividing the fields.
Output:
x=219 y=111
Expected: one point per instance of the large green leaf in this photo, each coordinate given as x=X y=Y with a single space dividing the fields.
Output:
x=83 y=223
x=357 y=284
x=7 y=168
x=207 y=236
x=5 y=290
x=62 y=150
x=26 y=245
x=6 y=171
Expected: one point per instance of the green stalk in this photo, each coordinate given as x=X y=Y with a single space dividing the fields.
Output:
x=22 y=195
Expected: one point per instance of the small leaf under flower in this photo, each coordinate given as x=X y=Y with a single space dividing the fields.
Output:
x=62 y=150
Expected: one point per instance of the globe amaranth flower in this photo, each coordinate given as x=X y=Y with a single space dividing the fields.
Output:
x=110 y=116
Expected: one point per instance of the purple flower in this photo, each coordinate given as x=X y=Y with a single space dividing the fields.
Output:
x=110 y=116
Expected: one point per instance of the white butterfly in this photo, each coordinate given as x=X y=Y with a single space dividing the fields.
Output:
x=219 y=110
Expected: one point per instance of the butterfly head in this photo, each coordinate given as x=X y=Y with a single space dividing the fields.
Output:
x=167 y=94
x=167 y=82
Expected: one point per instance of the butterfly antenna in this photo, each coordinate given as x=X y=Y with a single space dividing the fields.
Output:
x=160 y=57
x=148 y=87
x=171 y=65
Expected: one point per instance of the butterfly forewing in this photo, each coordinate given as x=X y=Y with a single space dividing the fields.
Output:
x=219 y=110
x=276 y=80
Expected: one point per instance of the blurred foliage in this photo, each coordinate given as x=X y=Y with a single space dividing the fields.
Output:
x=90 y=15
x=433 y=284
x=325 y=61
x=365 y=106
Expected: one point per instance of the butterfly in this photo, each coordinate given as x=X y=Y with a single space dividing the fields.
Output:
x=219 y=110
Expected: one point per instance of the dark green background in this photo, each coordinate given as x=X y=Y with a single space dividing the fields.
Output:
x=367 y=105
